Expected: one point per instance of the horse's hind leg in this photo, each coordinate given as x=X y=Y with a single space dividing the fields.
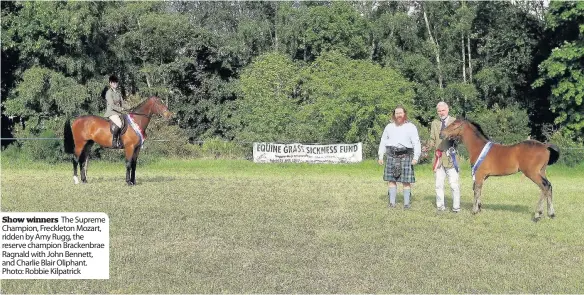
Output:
x=84 y=160
x=543 y=185
x=78 y=159
x=548 y=192
x=82 y=163
x=75 y=163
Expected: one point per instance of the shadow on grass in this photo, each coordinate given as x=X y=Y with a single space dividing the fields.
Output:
x=414 y=198
x=122 y=179
x=155 y=179
x=488 y=206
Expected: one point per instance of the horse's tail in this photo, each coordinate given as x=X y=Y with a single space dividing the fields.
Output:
x=554 y=153
x=68 y=142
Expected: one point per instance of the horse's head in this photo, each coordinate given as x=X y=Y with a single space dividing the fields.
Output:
x=159 y=108
x=454 y=130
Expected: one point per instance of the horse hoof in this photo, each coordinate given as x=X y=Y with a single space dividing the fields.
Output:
x=75 y=180
x=536 y=219
x=553 y=215
x=130 y=183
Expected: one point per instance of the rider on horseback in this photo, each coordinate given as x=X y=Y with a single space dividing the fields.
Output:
x=115 y=107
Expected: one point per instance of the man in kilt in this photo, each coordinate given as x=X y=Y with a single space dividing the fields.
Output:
x=400 y=142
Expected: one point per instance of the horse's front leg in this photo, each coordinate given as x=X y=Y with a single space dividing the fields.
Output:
x=477 y=186
x=134 y=163
x=128 y=171
x=129 y=159
x=85 y=168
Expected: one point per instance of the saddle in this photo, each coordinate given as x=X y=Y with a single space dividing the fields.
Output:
x=123 y=128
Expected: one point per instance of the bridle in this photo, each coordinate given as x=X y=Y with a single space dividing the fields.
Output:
x=457 y=140
x=149 y=116
x=460 y=126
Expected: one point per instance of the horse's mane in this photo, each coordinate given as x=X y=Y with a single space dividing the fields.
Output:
x=479 y=129
x=140 y=105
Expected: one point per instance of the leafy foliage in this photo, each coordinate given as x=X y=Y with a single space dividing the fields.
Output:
x=503 y=125
x=564 y=68
x=571 y=152
x=308 y=71
x=334 y=99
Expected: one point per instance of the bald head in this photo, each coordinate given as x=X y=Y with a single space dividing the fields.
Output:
x=442 y=110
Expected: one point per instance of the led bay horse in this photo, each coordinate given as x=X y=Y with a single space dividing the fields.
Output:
x=530 y=157
x=89 y=129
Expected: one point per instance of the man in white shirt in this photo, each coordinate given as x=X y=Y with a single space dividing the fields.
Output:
x=401 y=143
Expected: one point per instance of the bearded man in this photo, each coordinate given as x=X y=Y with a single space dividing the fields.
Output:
x=400 y=142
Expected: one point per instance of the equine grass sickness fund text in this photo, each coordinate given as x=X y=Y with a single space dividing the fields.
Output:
x=268 y=152
x=49 y=245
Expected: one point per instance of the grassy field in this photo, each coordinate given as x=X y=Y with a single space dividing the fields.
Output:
x=218 y=226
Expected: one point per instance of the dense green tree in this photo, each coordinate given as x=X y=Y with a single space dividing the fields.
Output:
x=297 y=70
x=563 y=70
x=55 y=49
x=333 y=99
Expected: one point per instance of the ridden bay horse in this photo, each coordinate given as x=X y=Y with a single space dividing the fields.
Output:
x=89 y=129
x=530 y=157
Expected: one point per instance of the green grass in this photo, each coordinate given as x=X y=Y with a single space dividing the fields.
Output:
x=218 y=226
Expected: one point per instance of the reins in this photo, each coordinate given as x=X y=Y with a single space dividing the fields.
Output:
x=149 y=116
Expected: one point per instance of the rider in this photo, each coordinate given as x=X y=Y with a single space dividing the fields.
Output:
x=115 y=107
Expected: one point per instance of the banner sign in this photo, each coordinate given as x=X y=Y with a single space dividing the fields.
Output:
x=266 y=152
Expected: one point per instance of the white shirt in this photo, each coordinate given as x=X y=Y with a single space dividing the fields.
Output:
x=405 y=135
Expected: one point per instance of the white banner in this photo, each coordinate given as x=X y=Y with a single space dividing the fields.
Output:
x=267 y=152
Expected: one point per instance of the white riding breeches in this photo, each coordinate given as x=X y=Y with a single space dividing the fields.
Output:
x=441 y=174
x=116 y=119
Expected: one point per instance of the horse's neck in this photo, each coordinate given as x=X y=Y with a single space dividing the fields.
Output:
x=143 y=119
x=473 y=142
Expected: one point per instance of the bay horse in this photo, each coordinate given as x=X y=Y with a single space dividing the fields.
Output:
x=531 y=157
x=89 y=129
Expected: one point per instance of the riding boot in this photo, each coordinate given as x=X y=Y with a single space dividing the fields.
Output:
x=116 y=143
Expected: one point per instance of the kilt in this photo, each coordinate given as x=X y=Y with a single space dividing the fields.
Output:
x=407 y=170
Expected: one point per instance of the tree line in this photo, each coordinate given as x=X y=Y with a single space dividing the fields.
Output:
x=299 y=71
